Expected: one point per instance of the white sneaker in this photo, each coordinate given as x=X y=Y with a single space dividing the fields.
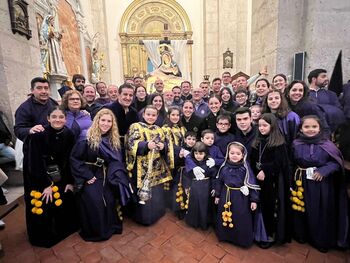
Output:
x=4 y=190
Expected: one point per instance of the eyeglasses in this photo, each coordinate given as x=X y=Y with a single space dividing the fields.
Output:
x=223 y=124
x=74 y=99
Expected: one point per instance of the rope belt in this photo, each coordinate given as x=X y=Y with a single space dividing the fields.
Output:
x=100 y=165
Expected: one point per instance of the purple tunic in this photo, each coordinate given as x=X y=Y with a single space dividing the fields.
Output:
x=97 y=201
x=324 y=200
x=329 y=103
x=78 y=123
x=242 y=234
x=222 y=140
x=289 y=127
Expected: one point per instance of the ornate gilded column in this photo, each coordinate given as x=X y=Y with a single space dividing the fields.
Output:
x=123 y=39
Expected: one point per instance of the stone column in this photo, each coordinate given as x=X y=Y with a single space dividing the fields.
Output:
x=55 y=84
x=81 y=27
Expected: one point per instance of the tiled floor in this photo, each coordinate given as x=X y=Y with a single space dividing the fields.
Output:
x=169 y=240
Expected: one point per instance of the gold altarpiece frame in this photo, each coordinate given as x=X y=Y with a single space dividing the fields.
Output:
x=145 y=20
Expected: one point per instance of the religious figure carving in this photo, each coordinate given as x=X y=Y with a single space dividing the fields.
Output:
x=168 y=66
x=50 y=48
x=97 y=60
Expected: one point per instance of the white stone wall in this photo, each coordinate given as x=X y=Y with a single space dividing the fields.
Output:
x=264 y=35
x=19 y=61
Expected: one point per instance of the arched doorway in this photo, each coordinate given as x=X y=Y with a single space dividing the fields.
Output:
x=151 y=20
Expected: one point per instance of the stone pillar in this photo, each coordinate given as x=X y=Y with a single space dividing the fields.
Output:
x=81 y=27
x=55 y=84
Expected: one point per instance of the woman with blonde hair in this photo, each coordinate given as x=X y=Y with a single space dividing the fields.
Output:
x=100 y=178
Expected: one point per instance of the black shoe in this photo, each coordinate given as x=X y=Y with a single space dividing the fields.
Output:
x=300 y=240
x=322 y=249
x=265 y=245
x=3 y=200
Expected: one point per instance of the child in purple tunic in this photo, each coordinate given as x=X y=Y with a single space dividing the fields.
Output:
x=323 y=219
x=199 y=212
x=270 y=163
x=236 y=196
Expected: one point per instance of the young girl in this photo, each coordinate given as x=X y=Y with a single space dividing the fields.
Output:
x=175 y=133
x=323 y=217
x=47 y=223
x=199 y=207
x=236 y=195
x=288 y=121
x=97 y=161
x=146 y=153
x=228 y=103
x=158 y=102
x=269 y=159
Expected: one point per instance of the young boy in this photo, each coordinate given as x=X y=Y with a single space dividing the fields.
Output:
x=256 y=111
x=222 y=135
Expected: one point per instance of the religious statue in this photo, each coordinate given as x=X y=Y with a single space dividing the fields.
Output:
x=97 y=60
x=50 y=48
x=168 y=66
x=168 y=70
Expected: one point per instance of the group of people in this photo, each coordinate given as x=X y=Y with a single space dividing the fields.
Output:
x=258 y=166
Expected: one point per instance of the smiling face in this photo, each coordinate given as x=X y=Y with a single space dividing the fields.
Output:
x=279 y=83
x=223 y=125
x=174 y=116
x=262 y=88
x=125 y=97
x=214 y=105
x=89 y=94
x=296 y=93
x=241 y=98
x=244 y=121
x=225 y=95
x=235 y=154
x=310 y=127
x=150 y=115
x=190 y=141
x=141 y=93
x=274 y=100
x=187 y=109
x=216 y=86
x=157 y=102
x=264 y=127
x=57 y=119
x=105 y=123
x=41 y=91
x=74 y=102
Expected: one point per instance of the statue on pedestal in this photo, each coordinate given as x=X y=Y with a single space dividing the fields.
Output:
x=50 y=48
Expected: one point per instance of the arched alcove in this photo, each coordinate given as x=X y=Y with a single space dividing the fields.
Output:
x=150 y=20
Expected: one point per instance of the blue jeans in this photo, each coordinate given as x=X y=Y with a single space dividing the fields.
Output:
x=7 y=154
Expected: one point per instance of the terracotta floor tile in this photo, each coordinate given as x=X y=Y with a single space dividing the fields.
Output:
x=168 y=241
